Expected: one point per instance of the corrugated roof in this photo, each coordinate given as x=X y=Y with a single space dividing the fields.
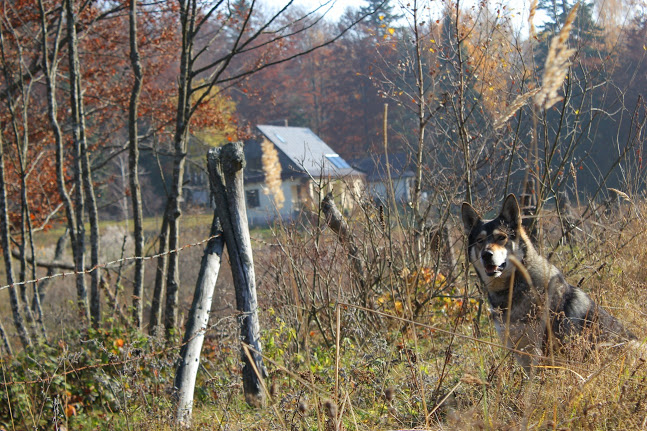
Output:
x=307 y=151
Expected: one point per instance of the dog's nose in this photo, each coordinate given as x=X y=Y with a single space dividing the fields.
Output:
x=487 y=255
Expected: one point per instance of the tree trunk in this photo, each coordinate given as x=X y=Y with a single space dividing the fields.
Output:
x=5 y=340
x=52 y=112
x=226 y=166
x=19 y=123
x=133 y=165
x=160 y=280
x=197 y=324
x=78 y=136
x=174 y=208
x=6 y=252
x=83 y=170
x=41 y=288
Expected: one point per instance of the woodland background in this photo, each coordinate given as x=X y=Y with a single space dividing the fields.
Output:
x=105 y=103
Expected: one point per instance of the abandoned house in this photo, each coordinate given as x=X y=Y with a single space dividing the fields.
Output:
x=289 y=169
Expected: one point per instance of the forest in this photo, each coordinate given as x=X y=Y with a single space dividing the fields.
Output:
x=108 y=105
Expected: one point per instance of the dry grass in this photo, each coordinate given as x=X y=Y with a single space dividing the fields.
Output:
x=444 y=369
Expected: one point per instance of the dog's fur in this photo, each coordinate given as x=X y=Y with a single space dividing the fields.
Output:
x=519 y=316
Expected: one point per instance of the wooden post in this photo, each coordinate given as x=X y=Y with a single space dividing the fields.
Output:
x=226 y=171
x=197 y=324
x=336 y=222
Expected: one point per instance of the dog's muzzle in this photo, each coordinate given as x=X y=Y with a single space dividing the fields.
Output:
x=490 y=268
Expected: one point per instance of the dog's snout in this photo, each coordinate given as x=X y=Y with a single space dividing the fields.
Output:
x=487 y=255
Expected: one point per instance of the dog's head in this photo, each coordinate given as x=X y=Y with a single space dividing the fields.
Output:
x=491 y=242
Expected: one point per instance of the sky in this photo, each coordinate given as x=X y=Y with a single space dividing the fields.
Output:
x=337 y=9
x=519 y=17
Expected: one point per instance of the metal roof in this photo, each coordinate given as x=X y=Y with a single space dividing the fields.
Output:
x=307 y=152
x=374 y=166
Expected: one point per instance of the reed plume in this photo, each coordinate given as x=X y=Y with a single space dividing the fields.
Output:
x=557 y=64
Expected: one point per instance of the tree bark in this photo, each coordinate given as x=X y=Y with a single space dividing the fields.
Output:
x=226 y=166
x=78 y=131
x=19 y=123
x=197 y=324
x=52 y=112
x=160 y=280
x=40 y=288
x=133 y=165
x=18 y=320
x=174 y=208
x=5 y=340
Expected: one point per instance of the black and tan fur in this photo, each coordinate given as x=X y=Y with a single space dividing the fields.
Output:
x=521 y=317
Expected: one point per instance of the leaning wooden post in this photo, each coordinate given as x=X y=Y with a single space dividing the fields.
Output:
x=196 y=324
x=336 y=222
x=226 y=164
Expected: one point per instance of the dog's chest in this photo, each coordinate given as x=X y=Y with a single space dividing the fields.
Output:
x=519 y=307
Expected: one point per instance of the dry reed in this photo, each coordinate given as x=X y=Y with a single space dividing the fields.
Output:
x=557 y=64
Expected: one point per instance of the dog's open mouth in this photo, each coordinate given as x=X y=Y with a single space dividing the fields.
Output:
x=492 y=270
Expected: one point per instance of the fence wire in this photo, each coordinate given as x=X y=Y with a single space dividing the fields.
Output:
x=107 y=265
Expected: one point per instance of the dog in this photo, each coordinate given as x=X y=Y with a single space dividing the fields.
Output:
x=532 y=305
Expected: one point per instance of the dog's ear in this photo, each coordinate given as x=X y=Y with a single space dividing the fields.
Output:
x=470 y=217
x=510 y=213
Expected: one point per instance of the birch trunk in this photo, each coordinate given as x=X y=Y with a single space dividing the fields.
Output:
x=5 y=340
x=83 y=163
x=6 y=252
x=77 y=165
x=160 y=280
x=52 y=112
x=17 y=122
x=41 y=288
x=133 y=165
x=174 y=208
x=226 y=170
x=197 y=324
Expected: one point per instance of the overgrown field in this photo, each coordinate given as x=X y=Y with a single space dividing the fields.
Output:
x=402 y=340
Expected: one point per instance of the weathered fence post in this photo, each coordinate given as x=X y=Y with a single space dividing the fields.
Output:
x=197 y=324
x=226 y=170
x=336 y=222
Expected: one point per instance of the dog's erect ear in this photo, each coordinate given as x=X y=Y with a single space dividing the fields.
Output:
x=510 y=213
x=470 y=217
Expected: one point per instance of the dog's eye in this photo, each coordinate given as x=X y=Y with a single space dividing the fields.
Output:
x=500 y=238
x=480 y=240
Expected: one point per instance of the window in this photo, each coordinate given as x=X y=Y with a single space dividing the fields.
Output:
x=252 y=198
x=337 y=161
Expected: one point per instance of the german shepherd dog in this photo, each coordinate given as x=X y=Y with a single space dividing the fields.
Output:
x=519 y=282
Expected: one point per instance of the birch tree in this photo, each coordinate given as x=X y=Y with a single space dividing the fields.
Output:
x=133 y=165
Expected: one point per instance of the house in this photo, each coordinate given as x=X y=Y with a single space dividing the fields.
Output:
x=289 y=169
x=377 y=178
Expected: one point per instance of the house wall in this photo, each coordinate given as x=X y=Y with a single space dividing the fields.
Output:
x=401 y=188
x=266 y=210
x=298 y=193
